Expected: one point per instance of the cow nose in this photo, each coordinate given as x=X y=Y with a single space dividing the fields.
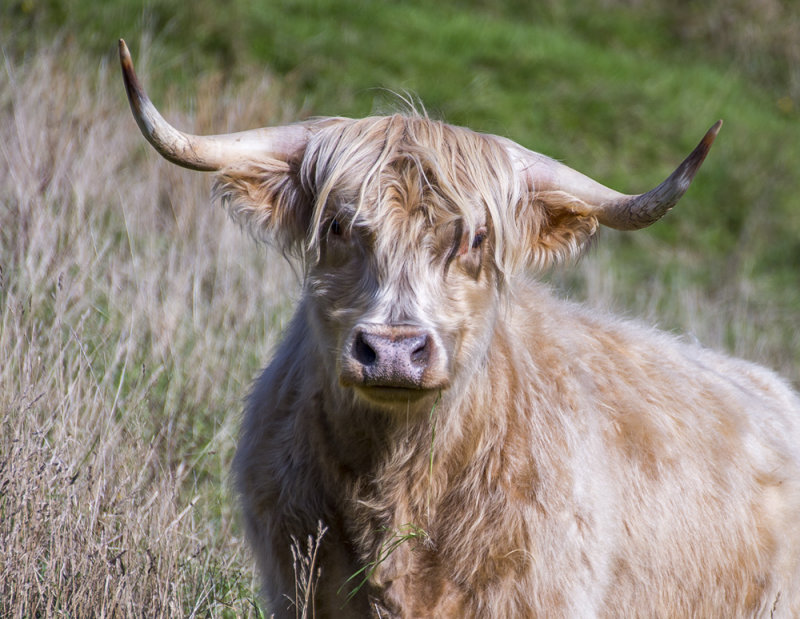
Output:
x=393 y=356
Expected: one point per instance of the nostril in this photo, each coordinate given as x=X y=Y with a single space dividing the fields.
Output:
x=421 y=353
x=362 y=351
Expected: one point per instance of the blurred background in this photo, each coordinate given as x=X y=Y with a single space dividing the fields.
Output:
x=134 y=316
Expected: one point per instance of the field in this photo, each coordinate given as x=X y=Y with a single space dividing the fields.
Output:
x=133 y=315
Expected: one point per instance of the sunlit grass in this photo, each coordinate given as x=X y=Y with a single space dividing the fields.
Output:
x=134 y=317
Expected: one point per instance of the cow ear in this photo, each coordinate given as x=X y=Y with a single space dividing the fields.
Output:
x=267 y=198
x=567 y=205
x=555 y=227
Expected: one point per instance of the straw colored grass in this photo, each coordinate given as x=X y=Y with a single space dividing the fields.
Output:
x=133 y=317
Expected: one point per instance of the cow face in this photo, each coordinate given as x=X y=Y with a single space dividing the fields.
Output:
x=400 y=290
x=404 y=227
x=401 y=278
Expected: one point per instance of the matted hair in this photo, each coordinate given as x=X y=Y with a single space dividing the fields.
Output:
x=354 y=165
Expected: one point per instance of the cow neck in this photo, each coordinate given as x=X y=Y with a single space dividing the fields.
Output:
x=353 y=437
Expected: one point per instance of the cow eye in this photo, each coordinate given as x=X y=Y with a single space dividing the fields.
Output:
x=479 y=237
x=336 y=227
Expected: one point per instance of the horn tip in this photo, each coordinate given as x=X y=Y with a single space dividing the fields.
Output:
x=711 y=134
x=125 y=60
x=704 y=146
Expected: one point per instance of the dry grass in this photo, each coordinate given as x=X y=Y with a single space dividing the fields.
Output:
x=306 y=572
x=132 y=318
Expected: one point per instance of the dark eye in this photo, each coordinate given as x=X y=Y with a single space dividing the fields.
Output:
x=478 y=239
x=336 y=227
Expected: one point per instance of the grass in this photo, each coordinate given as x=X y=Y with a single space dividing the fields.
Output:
x=306 y=572
x=405 y=533
x=133 y=316
x=122 y=292
x=432 y=419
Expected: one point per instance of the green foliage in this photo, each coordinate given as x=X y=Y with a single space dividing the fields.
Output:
x=405 y=533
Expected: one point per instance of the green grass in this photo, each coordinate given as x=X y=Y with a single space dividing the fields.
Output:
x=405 y=533
x=133 y=317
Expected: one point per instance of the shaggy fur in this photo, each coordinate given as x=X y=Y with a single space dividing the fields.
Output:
x=558 y=462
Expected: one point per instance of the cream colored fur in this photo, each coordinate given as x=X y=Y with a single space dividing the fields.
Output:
x=577 y=465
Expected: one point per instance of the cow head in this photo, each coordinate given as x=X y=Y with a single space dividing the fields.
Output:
x=408 y=229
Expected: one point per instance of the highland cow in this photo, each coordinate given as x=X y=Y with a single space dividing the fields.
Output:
x=475 y=446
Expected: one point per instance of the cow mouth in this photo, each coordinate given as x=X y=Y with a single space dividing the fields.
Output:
x=381 y=394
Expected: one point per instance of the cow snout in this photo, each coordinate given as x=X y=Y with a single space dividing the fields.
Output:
x=393 y=362
x=394 y=357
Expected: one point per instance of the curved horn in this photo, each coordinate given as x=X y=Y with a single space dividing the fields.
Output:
x=611 y=208
x=206 y=153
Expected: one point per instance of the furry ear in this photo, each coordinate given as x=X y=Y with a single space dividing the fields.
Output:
x=267 y=198
x=555 y=227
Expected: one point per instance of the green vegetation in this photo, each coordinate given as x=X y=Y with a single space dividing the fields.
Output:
x=405 y=533
x=133 y=317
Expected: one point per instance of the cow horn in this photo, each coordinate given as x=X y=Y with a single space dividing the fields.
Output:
x=205 y=153
x=611 y=208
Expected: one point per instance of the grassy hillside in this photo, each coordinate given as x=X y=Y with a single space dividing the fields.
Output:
x=616 y=88
x=133 y=316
